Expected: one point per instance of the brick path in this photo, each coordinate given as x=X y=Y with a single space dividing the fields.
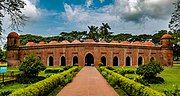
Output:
x=88 y=82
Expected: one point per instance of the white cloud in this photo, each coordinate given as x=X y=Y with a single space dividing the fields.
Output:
x=30 y=10
x=136 y=14
x=89 y=3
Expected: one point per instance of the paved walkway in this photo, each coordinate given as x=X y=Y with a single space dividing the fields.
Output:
x=88 y=82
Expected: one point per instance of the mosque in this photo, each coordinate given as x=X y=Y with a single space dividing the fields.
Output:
x=89 y=52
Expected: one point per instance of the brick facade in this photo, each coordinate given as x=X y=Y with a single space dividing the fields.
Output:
x=118 y=54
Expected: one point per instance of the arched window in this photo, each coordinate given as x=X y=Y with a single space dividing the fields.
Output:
x=14 y=41
x=152 y=59
x=140 y=61
x=50 y=61
x=103 y=60
x=63 y=61
x=75 y=60
x=115 y=61
x=128 y=61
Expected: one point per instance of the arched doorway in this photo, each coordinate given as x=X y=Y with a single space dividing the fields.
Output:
x=128 y=61
x=103 y=60
x=115 y=61
x=89 y=59
x=152 y=59
x=140 y=61
x=63 y=61
x=75 y=60
x=50 y=61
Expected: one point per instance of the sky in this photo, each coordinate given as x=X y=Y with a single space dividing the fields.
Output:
x=51 y=17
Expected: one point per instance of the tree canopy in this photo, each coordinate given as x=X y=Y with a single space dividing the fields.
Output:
x=174 y=23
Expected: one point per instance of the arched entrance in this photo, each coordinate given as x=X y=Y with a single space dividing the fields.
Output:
x=128 y=61
x=103 y=60
x=50 y=61
x=89 y=59
x=63 y=61
x=75 y=60
x=140 y=61
x=115 y=61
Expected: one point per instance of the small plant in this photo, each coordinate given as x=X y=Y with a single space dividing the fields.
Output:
x=149 y=72
x=30 y=68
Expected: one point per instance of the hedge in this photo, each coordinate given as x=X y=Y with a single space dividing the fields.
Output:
x=45 y=86
x=131 y=87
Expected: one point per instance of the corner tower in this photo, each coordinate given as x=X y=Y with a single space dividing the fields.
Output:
x=13 y=40
x=13 y=44
x=166 y=40
x=167 y=53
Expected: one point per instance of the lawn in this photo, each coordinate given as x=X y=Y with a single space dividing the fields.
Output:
x=15 y=85
x=171 y=77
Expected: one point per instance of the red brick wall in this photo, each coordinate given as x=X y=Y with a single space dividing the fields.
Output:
x=163 y=55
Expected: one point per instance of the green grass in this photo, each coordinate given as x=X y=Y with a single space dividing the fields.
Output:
x=171 y=76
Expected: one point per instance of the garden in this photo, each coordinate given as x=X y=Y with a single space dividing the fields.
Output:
x=147 y=80
x=32 y=78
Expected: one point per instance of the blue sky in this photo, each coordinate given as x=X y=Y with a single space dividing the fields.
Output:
x=50 y=17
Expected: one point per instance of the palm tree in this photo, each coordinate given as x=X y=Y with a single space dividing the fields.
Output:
x=104 y=31
x=93 y=33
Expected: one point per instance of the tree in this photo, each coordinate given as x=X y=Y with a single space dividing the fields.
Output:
x=104 y=31
x=93 y=33
x=176 y=51
x=174 y=23
x=31 y=66
x=12 y=8
x=157 y=36
x=149 y=72
x=2 y=55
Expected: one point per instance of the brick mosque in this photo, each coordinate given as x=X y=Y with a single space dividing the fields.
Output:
x=89 y=52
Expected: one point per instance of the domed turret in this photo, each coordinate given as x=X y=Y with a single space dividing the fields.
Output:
x=13 y=39
x=166 y=40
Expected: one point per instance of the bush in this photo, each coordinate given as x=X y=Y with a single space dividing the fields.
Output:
x=54 y=70
x=131 y=87
x=31 y=66
x=44 y=87
x=26 y=80
x=5 y=93
x=124 y=71
x=149 y=70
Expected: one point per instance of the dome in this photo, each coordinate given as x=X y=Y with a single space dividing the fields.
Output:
x=30 y=44
x=125 y=43
x=42 y=43
x=65 y=42
x=166 y=36
x=75 y=42
x=136 y=43
x=148 y=43
x=114 y=41
x=53 y=42
x=89 y=41
x=13 y=35
x=102 y=42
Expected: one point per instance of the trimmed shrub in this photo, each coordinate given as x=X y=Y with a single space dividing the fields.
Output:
x=45 y=86
x=149 y=72
x=131 y=87
x=54 y=70
x=5 y=93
